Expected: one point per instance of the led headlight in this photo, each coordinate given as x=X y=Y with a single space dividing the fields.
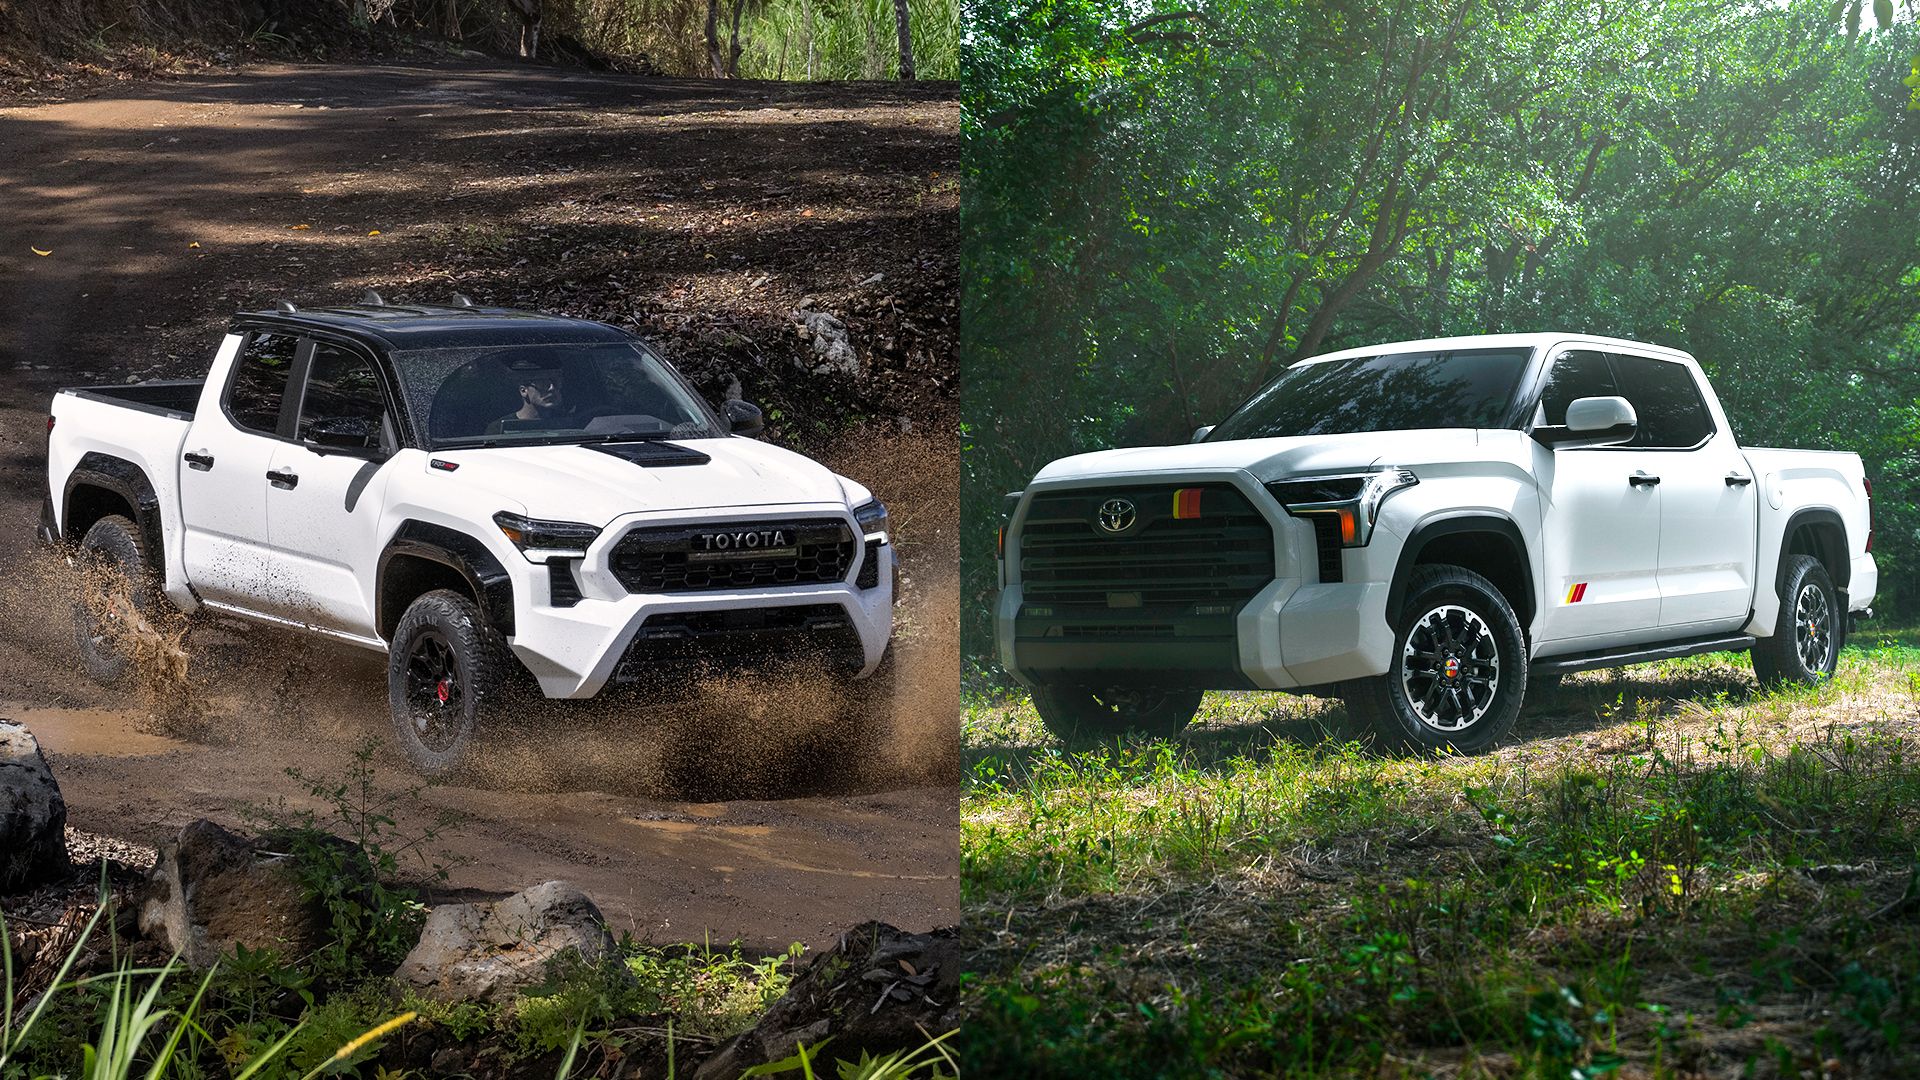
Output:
x=542 y=540
x=1353 y=499
x=872 y=516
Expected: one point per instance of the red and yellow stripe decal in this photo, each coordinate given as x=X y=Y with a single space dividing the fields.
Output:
x=1576 y=592
x=1186 y=503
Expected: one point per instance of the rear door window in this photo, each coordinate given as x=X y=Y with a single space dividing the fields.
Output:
x=259 y=383
x=1665 y=398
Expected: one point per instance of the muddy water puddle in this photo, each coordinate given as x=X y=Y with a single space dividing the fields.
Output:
x=90 y=732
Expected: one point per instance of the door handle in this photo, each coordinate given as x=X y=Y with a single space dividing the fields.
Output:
x=198 y=460
x=1641 y=479
x=1734 y=479
x=283 y=479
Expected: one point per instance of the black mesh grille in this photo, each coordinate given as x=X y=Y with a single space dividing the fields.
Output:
x=680 y=559
x=869 y=577
x=1326 y=543
x=1225 y=554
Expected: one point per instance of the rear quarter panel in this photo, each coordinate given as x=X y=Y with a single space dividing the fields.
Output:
x=1795 y=480
x=150 y=441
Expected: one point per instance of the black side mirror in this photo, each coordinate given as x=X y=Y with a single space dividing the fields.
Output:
x=744 y=418
x=345 y=433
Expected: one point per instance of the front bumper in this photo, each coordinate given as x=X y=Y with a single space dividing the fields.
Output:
x=576 y=647
x=1295 y=632
x=1292 y=635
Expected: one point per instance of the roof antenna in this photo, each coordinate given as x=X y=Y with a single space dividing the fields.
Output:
x=285 y=306
x=461 y=299
x=372 y=299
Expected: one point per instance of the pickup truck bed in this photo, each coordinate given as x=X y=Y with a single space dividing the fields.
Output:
x=177 y=398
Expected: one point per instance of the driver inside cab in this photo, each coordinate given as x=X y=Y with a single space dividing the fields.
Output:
x=543 y=402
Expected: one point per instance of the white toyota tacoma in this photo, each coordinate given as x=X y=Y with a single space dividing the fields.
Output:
x=488 y=496
x=1428 y=529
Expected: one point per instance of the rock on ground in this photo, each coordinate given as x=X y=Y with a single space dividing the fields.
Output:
x=212 y=890
x=33 y=816
x=878 y=991
x=489 y=952
x=832 y=349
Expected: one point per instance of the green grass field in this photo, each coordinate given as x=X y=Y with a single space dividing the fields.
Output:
x=1667 y=873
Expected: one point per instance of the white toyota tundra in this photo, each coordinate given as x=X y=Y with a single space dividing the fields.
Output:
x=484 y=494
x=1427 y=529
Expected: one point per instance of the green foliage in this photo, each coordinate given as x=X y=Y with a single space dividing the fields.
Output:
x=1252 y=899
x=848 y=39
x=1164 y=205
x=375 y=915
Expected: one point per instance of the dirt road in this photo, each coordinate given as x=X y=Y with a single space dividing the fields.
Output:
x=697 y=213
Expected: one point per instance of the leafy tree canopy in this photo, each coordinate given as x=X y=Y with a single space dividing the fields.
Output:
x=1164 y=205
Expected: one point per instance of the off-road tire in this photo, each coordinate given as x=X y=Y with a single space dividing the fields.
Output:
x=437 y=723
x=1783 y=657
x=113 y=543
x=1078 y=714
x=1382 y=705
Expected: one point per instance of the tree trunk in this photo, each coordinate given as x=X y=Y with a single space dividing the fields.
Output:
x=529 y=12
x=733 y=44
x=713 y=39
x=906 y=38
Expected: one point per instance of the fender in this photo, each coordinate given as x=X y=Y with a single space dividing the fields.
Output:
x=1467 y=522
x=1839 y=564
x=127 y=480
x=437 y=543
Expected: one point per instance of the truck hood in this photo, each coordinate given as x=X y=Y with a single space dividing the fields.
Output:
x=1273 y=459
x=580 y=483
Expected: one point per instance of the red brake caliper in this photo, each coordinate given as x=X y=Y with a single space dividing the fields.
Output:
x=444 y=688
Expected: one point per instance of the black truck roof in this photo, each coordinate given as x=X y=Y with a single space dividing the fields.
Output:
x=404 y=327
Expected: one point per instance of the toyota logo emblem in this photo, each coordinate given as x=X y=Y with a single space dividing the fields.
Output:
x=1116 y=515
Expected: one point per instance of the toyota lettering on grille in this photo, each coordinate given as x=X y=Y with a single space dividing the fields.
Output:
x=735 y=544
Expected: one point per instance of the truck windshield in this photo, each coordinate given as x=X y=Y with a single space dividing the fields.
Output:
x=1390 y=392
x=531 y=394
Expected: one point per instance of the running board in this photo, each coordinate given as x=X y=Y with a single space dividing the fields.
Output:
x=249 y=615
x=1640 y=654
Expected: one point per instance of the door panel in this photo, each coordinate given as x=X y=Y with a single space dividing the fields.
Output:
x=326 y=531
x=1706 y=539
x=1601 y=547
x=223 y=482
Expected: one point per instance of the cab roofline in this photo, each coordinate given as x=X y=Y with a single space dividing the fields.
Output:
x=1534 y=340
x=405 y=327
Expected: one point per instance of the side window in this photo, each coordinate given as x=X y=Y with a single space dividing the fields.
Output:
x=340 y=384
x=1573 y=376
x=1666 y=400
x=260 y=381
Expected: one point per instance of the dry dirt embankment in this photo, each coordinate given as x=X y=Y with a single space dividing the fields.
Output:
x=700 y=214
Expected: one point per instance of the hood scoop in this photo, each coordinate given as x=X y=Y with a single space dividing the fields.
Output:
x=649 y=455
